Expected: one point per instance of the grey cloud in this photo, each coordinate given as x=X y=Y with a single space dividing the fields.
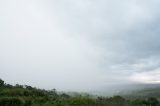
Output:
x=78 y=45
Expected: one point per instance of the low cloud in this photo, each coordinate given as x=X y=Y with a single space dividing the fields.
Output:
x=152 y=77
x=79 y=45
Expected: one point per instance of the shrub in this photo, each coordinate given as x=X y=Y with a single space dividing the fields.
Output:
x=10 y=101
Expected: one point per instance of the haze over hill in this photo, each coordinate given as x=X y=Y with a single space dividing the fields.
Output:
x=26 y=95
x=85 y=45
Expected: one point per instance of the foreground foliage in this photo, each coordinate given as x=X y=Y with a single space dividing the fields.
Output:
x=19 y=95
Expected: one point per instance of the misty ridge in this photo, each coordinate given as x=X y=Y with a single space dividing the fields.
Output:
x=79 y=53
x=25 y=95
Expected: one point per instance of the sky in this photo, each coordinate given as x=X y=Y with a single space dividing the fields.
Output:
x=79 y=45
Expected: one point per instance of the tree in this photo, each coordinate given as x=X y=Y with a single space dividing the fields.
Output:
x=153 y=101
x=18 y=86
x=1 y=83
x=28 y=102
x=118 y=100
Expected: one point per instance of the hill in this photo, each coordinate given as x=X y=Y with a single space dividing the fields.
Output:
x=25 y=95
x=143 y=93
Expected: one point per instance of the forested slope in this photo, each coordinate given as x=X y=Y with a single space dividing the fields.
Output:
x=24 y=95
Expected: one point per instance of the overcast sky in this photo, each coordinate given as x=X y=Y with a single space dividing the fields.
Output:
x=79 y=45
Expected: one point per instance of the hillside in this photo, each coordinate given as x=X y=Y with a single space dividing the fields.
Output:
x=143 y=93
x=25 y=95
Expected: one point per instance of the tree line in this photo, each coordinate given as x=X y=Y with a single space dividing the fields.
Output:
x=25 y=95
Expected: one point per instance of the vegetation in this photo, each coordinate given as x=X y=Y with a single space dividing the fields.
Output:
x=20 y=95
x=144 y=93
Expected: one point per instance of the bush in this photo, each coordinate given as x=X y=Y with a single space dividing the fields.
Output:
x=10 y=101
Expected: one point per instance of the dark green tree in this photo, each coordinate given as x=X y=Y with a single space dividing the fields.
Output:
x=1 y=82
x=153 y=101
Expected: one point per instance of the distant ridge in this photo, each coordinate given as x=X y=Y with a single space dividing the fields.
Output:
x=148 y=91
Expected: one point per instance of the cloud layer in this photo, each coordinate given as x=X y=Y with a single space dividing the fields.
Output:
x=79 y=45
